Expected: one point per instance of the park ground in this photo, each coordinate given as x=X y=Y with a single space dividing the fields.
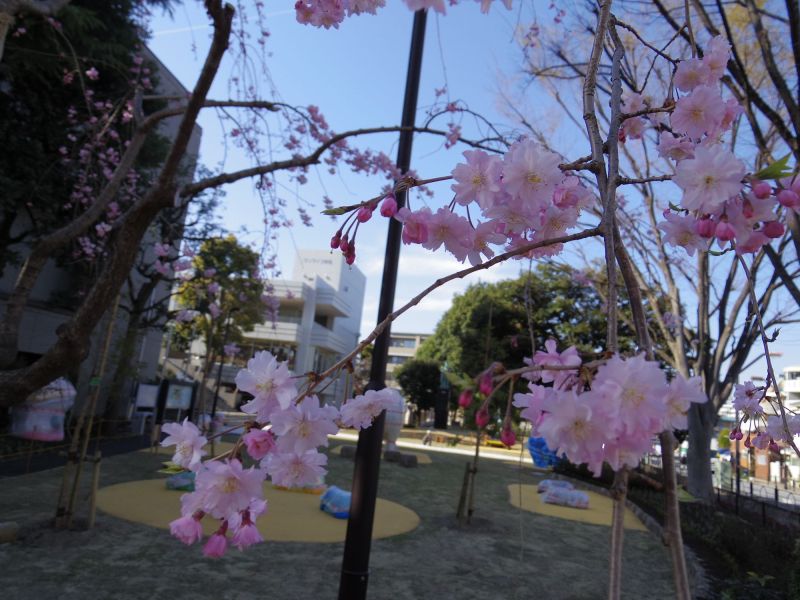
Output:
x=504 y=553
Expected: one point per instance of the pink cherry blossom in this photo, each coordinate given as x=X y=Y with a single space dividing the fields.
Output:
x=747 y=398
x=718 y=53
x=259 y=443
x=676 y=148
x=568 y=358
x=187 y=529
x=415 y=225
x=531 y=173
x=681 y=231
x=359 y=412
x=682 y=393
x=224 y=487
x=692 y=73
x=478 y=180
x=698 y=113
x=270 y=383
x=304 y=426
x=709 y=179
x=296 y=470
x=188 y=442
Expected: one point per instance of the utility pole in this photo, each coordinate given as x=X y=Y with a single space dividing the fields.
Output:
x=355 y=559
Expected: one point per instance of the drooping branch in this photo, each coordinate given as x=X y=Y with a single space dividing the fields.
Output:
x=73 y=336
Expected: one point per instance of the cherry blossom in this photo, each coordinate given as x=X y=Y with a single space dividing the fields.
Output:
x=296 y=470
x=359 y=412
x=188 y=442
x=270 y=383
x=304 y=426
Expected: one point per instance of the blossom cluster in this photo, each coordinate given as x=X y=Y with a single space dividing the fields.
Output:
x=717 y=203
x=283 y=442
x=522 y=197
x=614 y=420
x=330 y=13
x=764 y=430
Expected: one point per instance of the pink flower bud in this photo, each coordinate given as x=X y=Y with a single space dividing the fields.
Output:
x=739 y=434
x=774 y=229
x=507 y=436
x=389 y=207
x=724 y=231
x=747 y=443
x=732 y=435
x=773 y=446
x=747 y=209
x=485 y=382
x=336 y=240
x=364 y=214
x=350 y=255
x=482 y=417
x=788 y=198
x=465 y=399
x=215 y=546
x=259 y=443
x=705 y=228
x=762 y=190
x=344 y=245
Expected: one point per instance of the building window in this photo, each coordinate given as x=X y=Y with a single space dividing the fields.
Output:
x=403 y=342
x=323 y=320
x=398 y=360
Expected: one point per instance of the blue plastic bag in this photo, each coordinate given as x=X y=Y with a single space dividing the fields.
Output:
x=335 y=502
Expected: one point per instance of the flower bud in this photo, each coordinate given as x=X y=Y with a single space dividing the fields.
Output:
x=507 y=436
x=762 y=190
x=485 y=382
x=788 y=198
x=724 y=231
x=344 y=245
x=389 y=207
x=336 y=240
x=364 y=214
x=704 y=228
x=774 y=229
x=482 y=417
x=465 y=399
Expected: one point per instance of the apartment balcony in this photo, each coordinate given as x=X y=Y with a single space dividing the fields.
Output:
x=790 y=385
x=324 y=338
x=281 y=331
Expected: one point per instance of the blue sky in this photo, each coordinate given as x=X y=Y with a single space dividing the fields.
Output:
x=356 y=75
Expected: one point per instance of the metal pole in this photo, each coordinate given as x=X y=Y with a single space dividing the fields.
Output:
x=355 y=559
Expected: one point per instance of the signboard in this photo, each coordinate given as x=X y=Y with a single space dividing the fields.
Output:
x=179 y=396
x=146 y=395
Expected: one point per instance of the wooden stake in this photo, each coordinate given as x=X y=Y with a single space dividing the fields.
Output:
x=95 y=484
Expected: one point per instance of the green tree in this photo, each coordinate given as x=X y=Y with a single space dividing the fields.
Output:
x=223 y=295
x=419 y=380
x=490 y=322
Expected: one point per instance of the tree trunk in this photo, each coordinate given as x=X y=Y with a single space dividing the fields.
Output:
x=116 y=403
x=698 y=459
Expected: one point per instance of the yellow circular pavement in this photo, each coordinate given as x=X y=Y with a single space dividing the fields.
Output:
x=599 y=511
x=290 y=516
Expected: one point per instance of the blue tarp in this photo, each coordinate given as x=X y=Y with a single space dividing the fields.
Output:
x=542 y=455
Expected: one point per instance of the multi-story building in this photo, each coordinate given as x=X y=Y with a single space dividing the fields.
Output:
x=53 y=299
x=402 y=348
x=318 y=322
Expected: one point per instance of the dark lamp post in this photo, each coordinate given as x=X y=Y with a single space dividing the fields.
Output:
x=355 y=559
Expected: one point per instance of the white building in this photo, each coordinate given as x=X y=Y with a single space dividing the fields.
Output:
x=318 y=323
x=402 y=348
